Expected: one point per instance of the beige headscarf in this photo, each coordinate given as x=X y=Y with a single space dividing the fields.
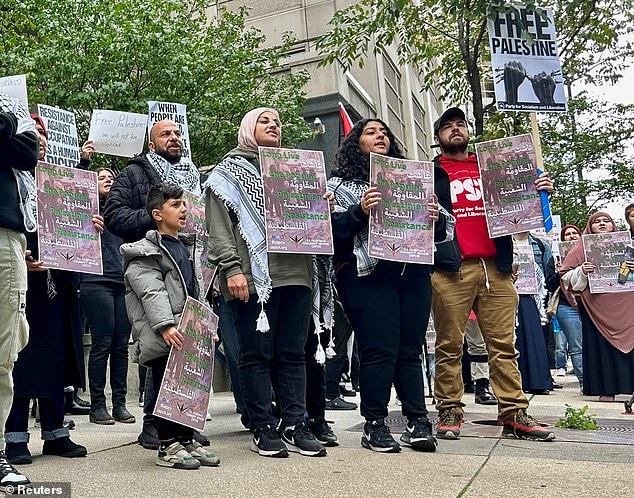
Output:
x=246 y=133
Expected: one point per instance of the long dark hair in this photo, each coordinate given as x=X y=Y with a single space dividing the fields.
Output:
x=350 y=162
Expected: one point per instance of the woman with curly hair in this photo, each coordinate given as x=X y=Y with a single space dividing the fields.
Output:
x=388 y=303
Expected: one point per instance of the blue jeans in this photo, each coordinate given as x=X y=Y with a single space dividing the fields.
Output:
x=571 y=328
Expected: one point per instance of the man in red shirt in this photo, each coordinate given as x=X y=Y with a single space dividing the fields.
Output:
x=475 y=272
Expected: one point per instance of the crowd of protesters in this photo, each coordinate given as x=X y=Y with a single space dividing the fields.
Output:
x=266 y=302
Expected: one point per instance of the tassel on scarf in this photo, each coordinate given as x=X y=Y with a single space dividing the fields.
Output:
x=51 y=291
x=262 y=325
x=330 y=350
x=320 y=356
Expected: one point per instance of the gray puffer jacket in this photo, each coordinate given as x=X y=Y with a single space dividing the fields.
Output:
x=155 y=292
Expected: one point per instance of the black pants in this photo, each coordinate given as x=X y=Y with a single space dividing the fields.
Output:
x=338 y=364
x=389 y=311
x=167 y=430
x=274 y=358
x=104 y=305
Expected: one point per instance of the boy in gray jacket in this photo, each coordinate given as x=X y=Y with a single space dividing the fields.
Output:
x=159 y=275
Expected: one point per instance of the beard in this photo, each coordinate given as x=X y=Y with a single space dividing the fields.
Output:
x=454 y=147
x=171 y=157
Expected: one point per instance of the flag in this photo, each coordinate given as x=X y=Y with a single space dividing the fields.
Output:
x=345 y=123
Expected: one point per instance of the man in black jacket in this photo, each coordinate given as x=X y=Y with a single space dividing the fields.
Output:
x=474 y=272
x=19 y=146
x=126 y=216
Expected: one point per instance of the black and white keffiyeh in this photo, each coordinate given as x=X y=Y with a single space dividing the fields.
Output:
x=323 y=305
x=27 y=189
x=183 y=173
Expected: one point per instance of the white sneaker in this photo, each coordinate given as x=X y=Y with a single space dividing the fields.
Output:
x=561 y=372
x=10 y=477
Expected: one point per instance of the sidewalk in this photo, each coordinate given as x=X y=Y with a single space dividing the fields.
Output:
x=471 y=466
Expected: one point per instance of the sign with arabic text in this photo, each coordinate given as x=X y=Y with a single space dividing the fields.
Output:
x=606 y=251
x=524 y=260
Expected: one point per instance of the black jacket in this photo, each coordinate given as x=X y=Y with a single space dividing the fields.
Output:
x=125 y=213
x=448 y=256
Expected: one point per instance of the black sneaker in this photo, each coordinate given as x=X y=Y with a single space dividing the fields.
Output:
x=521 y=425
x=322 y=432
x=149 y=437
x=376 y=437
x=419 y=436
x=300 y=440
x=267 y=442
x=449 y=422
x=10 y=478
x=344 y=391
x=340 y=404
x=63 y=447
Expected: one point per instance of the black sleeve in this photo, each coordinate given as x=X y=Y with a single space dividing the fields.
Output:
x=84 y=164
x=19 y=151
x=347 y=224
x=442 y=191
x=551 y=277
x=121 y=215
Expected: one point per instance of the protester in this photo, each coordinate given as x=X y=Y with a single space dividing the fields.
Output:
x=103 y=300
x=569 y=340
x=159 y=275
x=629 y=218
x=270 y=292
x=477 y=351
x=387 y=303
x=475 y=272
x=607 y=322
x=531 y=317
x=52 y=358
x=19 y=144
x=127 y=218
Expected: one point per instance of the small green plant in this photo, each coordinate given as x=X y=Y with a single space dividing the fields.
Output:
x=577 y=418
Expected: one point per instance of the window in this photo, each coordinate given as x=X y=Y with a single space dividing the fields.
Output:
x=422 y=140
x=392 y=79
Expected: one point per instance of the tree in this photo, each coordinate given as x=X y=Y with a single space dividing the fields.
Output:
x=447 y=42
x=118 y=54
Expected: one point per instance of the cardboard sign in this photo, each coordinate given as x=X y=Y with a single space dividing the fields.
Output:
x=117 y=133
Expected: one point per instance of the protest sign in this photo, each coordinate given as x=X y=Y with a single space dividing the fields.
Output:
x=565 y=246
x=507 y=178
x=606 y=251
x=15 y=86
x=117 y=133
x=297 y=216
x=63 y=144
x=174 y=112
x=524 y=261
x=67 y=198
x=401 y=228
x=527 y=74
x=187 y=382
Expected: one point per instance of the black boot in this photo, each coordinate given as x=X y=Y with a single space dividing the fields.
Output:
x=121 y=414
x=149 y=437
x=64 y=447
x=79 y=401
x=71 y=407
x=101 y=416
x=482 y=394
x=18 y=453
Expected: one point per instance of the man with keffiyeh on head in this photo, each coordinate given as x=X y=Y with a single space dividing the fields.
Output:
x=127 y=217
x=17 y=208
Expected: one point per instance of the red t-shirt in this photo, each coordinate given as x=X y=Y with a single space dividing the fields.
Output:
x=468 y=208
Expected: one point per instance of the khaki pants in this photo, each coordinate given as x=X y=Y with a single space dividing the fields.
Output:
x=454 y=295
x=14 y=330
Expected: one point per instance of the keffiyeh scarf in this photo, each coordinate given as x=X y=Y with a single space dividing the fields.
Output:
x=182 y=173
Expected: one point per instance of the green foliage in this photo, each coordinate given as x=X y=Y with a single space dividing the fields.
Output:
x=118 y=54
x=577 y=418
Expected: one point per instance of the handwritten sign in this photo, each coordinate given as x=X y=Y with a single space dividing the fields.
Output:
x=606 y=251
x=15 y=86
x=63 y=144
x=508 y=170
x=297 y=215
x=401 y=228
x=187 y=382
x=117 y=133
x=524 y=259
x=66 y=200
x=160 y=111
x=527 y=76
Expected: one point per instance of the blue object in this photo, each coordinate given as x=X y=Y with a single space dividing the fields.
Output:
x=548 y=219
x=555 y=322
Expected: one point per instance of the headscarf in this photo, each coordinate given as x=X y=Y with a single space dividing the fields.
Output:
x=611 y=312
x=246 y=133
x=565 y=228
x=40 y=121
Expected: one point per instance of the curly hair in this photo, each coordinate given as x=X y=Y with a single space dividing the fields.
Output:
x=350 y=162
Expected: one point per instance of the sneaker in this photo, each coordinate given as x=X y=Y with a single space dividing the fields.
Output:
x=344 y=391
x=376 y=437
x=322 y=432
x=149 y=437
x=299 y=439
x=142 y=400
x=419 y=436
x=340 y=404
x=485 y=397
x=198 y=451
x=10 y=477
x=18 y=454
x=176 y=457
x=561 y=372
x=267 y=442
x=63 y=447
x=521 y=425
x=449 y=422
x=69 y=423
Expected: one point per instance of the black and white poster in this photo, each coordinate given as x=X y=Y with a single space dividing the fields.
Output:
x=526 y=73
